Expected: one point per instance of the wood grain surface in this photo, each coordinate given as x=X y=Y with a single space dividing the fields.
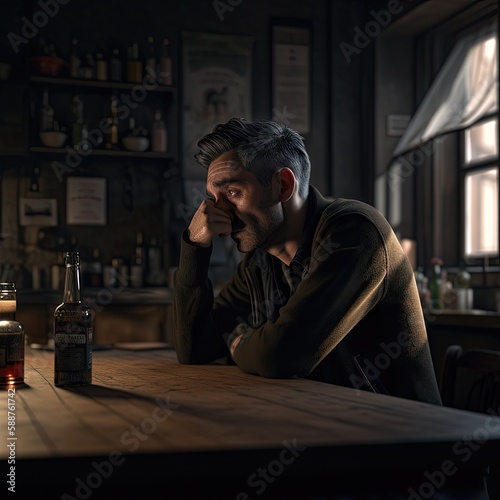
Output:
x=214 y=423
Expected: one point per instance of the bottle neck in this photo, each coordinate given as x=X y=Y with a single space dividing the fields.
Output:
x=72 y=293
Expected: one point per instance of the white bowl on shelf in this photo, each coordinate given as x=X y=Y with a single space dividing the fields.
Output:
x=53 y=139
x=135 y=143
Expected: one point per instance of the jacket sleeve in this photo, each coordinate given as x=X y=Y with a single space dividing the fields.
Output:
x=199 y=321
x=346 y=278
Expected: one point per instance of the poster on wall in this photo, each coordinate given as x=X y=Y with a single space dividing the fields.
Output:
x=291 y=77
x=217 y=85
x=86 y=201
x=38 y=212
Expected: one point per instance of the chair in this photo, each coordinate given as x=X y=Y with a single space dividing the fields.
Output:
x=471 y=380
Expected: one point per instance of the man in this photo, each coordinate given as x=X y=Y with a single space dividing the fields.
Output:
x=324 y=291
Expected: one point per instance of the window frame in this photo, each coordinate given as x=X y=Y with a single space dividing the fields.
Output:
x=463 y=168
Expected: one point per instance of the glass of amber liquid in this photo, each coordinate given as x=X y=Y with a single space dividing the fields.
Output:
x=11 y=338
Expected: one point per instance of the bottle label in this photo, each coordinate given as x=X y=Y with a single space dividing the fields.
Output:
x=70 y=338
x=73 y=349
x=11 y=348
x=75 y=358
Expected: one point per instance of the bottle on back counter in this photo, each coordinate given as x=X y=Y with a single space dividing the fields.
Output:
x=11 y=338
x=72 y=330
x=138 y=265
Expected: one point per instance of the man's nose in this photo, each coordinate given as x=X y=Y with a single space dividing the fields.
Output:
x=222 y=202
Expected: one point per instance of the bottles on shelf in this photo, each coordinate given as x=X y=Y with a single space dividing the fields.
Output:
x=74 y=60
x=57 y=273
x=150 y=64
x=72 y=330
x=158 y=134
x=165 y=64
x=87 y=70
x=138 y=266
x=93 y=270
x=78 y=128
x=46 y=113
x=101 y=67
x=85 y=129
x=464 y=293
x=155 y=274
x=116 y=273
x=115 y=67
x=134 y=64
x=435 y=283
x=112 y=129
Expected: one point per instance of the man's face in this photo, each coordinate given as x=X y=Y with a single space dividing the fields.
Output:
x=255 y=210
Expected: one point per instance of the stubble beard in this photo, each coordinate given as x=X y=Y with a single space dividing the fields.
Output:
x=254 y=235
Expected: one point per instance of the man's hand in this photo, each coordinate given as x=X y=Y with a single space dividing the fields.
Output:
x=208 y=221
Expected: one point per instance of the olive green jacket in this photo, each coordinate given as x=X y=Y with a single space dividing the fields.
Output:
x=346 y=311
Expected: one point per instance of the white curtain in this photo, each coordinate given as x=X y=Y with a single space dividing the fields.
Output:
x=464 y=91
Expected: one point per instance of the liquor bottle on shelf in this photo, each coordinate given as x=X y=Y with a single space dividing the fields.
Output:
x=87 y=70
x=134 y=64
x=112 y=132
x=57 y=273
x=165 y=64
x=150 y=66
x=101 y=67
x=46 y=113
x=158 y=134
x=120 y=269
x=72 y=330
x=138 y=266
x=435 y=283
x=78 y=128
x=115 y=67
x=155 y=274
x=11 y=338
x=93 y=270
x=74 y=61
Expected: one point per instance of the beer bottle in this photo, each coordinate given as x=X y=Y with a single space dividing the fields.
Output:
x=72 y=330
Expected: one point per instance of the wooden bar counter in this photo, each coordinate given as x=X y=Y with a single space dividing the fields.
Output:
x=150 y=428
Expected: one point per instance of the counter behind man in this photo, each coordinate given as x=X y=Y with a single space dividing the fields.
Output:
x=324 y=290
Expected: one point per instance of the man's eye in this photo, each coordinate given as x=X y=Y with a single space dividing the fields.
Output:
x=232 y=193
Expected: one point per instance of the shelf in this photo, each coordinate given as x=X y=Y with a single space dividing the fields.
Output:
x=98 y=84
x=106 y=152
x=471 y=318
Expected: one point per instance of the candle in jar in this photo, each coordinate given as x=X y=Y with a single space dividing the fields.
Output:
x=7 y=309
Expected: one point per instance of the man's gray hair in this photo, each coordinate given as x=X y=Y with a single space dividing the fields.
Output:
x=263 y=147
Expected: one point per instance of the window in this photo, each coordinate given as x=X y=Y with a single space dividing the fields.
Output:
x=481 y=212
x=449 y=152
x=481 y=142
x=480 y=162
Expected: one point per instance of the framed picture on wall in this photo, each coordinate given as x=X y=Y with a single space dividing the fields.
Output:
x=38 y=212
x=217 y=85
x=86 y=201
x=291 y=75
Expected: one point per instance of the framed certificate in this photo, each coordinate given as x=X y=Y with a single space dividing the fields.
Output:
x=291 y=70
x=86 y=201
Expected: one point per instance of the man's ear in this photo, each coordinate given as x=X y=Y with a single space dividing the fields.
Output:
x=287 y=184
